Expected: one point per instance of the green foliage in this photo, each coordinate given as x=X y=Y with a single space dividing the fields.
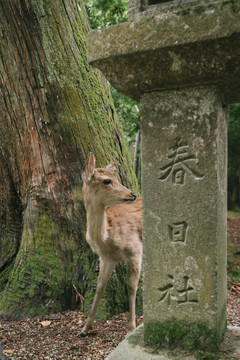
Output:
x=234 y=139
x=104 y=13
x=128 y=114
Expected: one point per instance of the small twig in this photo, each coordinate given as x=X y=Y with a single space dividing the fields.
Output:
x=78 y=295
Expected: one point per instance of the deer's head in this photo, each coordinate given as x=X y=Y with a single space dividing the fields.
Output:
x=102 y=187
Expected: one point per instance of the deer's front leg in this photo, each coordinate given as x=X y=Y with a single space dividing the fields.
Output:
x=106 y=268
x=133 y=271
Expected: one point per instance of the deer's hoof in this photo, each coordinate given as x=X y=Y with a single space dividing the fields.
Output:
x=81 y=334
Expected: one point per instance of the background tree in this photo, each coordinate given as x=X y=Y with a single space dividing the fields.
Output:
x=54 y=110
x=234 y=156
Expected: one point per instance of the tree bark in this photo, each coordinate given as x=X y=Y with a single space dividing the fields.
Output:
x=54 y=109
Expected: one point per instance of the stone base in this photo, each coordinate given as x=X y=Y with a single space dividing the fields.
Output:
x=130 y=348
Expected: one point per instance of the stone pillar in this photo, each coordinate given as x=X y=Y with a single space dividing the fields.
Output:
x=184 y=171
x=180 y=59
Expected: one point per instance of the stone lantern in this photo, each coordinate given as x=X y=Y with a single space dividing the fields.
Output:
x=180 y=60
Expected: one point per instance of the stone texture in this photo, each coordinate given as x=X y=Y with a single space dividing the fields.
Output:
x=137 y=7
x=169 y=50
x=184 y=168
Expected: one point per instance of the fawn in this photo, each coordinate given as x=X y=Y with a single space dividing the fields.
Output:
x=114 y=231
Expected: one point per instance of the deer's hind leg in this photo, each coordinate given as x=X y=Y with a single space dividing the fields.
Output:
x=133 y=272
x=106 y=268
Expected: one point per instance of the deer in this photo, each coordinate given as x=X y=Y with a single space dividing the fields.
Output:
x=114 y=232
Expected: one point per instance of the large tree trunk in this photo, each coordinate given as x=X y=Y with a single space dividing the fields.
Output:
x=54 y=109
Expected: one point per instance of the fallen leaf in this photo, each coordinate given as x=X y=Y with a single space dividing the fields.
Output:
x=9 y=351
x=46 y=323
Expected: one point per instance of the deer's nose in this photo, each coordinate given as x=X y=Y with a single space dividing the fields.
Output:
x=134 y=195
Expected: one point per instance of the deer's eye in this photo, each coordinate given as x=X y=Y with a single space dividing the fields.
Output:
x=107 y=181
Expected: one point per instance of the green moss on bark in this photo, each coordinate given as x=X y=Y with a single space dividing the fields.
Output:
x=5 y=276
x=42 y=270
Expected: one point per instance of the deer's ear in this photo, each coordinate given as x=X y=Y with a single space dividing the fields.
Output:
x=89 y=169
x=111 y=168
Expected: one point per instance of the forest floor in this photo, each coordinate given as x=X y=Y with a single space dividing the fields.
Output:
x=55 y=336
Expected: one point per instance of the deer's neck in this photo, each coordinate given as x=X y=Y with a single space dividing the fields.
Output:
x=96 y=222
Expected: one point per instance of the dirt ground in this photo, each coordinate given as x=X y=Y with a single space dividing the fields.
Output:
x=55 y=336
